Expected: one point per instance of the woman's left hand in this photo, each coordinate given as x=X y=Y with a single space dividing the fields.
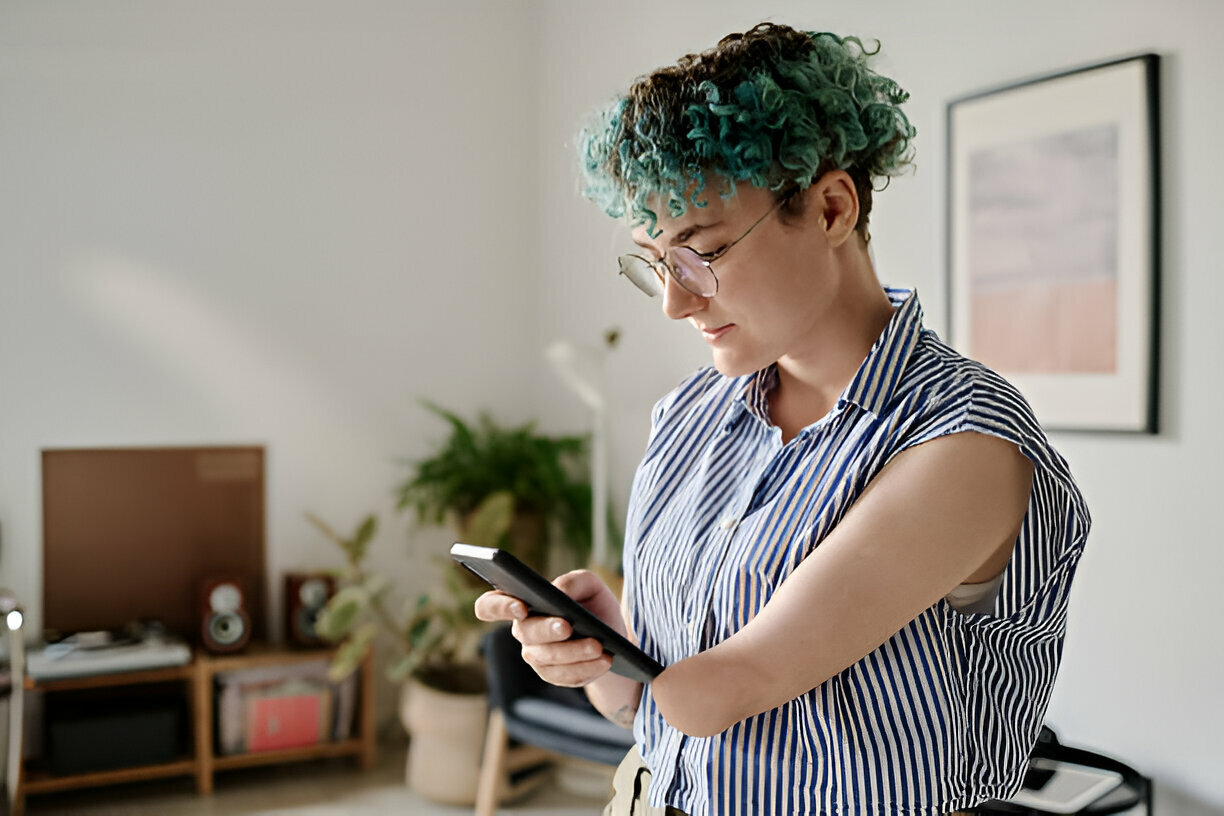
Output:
x=547 y=647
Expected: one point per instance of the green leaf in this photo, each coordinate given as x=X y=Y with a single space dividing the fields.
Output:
x=366 y=633
x=341 y=613
x=430 y=645
x=326 y=529
x=490 y=520
x=356 y=545
x=376 y=585
x=417 y=632
x=403 y=667
x=352 y=652
x=481 y=458
x=344 y=663
x=413 y=609
x=361 y=539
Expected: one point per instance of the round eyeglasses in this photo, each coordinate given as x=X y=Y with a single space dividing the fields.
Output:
x=688 y=267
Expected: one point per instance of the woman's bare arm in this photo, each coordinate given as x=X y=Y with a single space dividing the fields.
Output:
x=940 y=514
x=616 y=697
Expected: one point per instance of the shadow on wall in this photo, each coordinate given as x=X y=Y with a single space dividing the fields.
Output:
x=1168 y=802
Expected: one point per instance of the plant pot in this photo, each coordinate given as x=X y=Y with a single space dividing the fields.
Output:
x=529 y=540
x=446 y=737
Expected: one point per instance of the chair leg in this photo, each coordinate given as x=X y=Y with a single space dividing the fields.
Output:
x=492 y=765
x=527 y=767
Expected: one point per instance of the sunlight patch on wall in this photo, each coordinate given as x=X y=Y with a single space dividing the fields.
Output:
x=218 y=360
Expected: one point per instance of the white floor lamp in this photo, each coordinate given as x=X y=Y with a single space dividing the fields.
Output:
x=581 y=368
x=11 y=619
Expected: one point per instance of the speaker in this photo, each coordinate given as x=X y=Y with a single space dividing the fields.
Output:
x=305 y=596
x=225 y=625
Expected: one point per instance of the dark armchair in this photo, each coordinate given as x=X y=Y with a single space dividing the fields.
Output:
x=531 y=722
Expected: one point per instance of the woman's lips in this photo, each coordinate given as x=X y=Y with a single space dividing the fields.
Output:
x=712 y=335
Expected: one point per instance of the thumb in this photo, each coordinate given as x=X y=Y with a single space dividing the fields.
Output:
x=581 y=585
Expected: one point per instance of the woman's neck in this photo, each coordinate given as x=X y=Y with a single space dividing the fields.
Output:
x=811 y=380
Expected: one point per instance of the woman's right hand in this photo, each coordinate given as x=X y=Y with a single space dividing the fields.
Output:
x=546 y=644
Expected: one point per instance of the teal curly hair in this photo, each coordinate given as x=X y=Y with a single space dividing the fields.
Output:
x=773 y=107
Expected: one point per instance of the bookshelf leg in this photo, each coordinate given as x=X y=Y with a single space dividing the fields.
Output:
x=367 y=711
x=203 y=716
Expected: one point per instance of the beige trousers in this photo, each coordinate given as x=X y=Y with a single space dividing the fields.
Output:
x=631 y=790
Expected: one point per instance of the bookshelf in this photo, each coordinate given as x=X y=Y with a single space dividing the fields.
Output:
x=201 y=759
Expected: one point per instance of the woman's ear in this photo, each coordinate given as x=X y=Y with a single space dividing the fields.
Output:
x=833 y=200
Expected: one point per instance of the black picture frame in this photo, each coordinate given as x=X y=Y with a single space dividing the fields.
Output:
x=1054 y=241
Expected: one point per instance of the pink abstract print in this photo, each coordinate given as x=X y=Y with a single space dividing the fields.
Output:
x=1043 y=253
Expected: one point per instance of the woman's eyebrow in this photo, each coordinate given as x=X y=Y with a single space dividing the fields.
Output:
x=679 y=239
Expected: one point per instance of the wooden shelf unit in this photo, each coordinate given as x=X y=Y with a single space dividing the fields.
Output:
x=197 y=678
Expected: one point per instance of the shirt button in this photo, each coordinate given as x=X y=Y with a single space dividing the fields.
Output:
x=729 y=523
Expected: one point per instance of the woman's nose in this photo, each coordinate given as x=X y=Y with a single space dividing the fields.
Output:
x=678 y=302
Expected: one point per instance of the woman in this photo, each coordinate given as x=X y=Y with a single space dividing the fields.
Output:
x=850 y=546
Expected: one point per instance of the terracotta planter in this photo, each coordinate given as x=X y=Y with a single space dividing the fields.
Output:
x=446 y=736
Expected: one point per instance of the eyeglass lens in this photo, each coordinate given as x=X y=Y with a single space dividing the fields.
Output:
x=688 y=270
x=693 y=273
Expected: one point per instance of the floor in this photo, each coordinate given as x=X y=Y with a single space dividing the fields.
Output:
x=333 y=787
x=337 y=788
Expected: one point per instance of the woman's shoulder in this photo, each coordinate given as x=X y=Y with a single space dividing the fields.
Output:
x=956 y=393
x=935 y=362
x=947 y=378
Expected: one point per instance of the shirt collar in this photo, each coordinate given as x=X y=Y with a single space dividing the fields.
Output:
x=872 y=385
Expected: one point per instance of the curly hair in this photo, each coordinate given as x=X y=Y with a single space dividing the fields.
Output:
x=774 y=107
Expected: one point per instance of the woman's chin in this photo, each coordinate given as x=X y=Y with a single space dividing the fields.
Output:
x=733 y=365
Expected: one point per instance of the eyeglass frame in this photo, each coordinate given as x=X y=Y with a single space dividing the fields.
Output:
x=706 y=259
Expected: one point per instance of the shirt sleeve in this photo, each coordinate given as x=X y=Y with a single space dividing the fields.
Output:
x=1002 y=708
x=1056 y=522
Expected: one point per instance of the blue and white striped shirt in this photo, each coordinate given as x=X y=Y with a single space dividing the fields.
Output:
x=942 y=716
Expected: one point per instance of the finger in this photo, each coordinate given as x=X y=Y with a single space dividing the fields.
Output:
x=576 y=675
x=581 y=585
x=541 y=630
x=589 y=590
x=498 y=606
x=542 y=655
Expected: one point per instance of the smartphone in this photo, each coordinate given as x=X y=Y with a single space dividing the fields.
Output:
x=503 y=571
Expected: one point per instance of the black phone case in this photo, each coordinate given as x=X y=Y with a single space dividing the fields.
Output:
x=503 y=571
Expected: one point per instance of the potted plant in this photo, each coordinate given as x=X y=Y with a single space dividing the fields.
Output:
x=497 y=486
x=436 y=637
x=546 y=475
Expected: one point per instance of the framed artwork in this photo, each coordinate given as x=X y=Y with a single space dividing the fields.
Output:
x=1054 y=241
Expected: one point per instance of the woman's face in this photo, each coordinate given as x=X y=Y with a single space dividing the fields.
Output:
x=774 y=287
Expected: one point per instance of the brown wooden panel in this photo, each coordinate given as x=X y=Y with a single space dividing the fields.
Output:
x=95 y=681
x=130 y=533
x=45 y=783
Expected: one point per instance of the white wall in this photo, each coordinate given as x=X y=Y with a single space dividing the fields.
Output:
x=277 y=222
x=258 y=221
x=1143 y=657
